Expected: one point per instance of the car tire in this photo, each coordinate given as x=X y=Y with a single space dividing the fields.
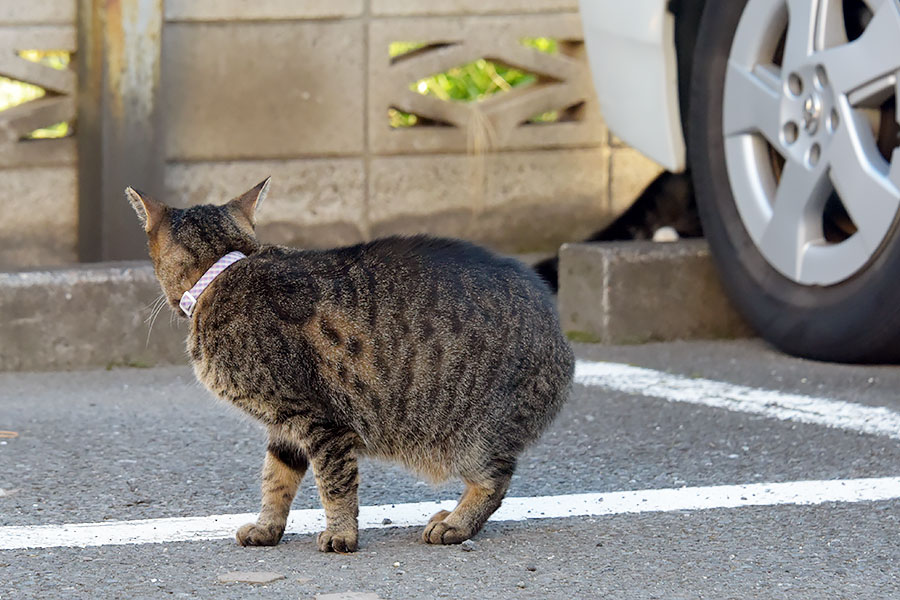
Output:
x=856 y=319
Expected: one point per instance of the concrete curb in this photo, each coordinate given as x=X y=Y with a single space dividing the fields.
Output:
x=96 y=315
x=635 y=292
x=86 y=316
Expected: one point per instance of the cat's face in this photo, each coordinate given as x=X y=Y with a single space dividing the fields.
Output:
x=184 y=243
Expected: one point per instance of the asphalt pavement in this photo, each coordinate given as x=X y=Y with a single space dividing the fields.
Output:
x=126 y=444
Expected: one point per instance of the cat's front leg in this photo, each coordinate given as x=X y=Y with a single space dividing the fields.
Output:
x=333 y=457
x=284 y=467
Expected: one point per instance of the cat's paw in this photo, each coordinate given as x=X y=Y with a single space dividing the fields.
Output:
x=337 y=541
x=254 y=534
x=439 y=516
x=439 y=532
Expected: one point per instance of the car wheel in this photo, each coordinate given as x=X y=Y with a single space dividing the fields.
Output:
x=793 y=137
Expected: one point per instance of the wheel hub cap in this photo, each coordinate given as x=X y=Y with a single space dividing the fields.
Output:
x=815 y=99
x=812 y=113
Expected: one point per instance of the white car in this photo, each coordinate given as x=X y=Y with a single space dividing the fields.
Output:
x=785 y=113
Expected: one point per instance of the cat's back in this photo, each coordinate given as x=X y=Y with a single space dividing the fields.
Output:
x=426 y=279
x=398 y=285
x=443 y=260
x=392 y=329
x=423 y=269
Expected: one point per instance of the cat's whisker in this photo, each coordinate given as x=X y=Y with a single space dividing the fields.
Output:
x=150 y=328
x=152 y=303
x=153 y=307
x=160 y=303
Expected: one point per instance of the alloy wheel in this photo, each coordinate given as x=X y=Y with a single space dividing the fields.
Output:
x=811 y=132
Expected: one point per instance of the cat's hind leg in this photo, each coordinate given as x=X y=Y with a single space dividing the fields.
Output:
x=482 y=497
x=334 y=462
x=284 y=467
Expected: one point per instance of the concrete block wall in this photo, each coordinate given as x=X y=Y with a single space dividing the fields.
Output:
x=38 y=178
x=301 y=91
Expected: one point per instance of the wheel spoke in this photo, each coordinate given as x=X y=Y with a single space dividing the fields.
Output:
x=874 y=56
x=830 y=28
x=796 y=217
x=752 y=102
x=812 y=25
x=863 y=180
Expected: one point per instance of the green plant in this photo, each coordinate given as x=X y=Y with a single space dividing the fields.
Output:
x=471 y=82
x=14 y=93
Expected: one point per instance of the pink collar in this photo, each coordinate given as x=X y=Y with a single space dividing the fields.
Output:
x=189 y=298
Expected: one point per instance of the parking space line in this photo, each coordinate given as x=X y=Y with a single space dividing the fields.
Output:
x=150 y=531
x=778 y=405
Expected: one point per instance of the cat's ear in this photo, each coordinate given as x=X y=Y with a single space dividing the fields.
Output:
x=248 y=202
x=149 y=211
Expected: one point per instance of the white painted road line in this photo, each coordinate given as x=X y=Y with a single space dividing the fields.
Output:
x=308 y=521
x=777 y=405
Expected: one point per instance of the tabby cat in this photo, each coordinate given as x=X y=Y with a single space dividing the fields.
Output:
x=431 y=352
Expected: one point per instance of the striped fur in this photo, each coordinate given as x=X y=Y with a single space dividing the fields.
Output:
x=431 y=352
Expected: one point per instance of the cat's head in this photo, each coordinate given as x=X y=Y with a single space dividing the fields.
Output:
x=184 y=243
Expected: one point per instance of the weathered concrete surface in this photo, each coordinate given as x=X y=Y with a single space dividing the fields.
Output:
x=86 y=317
x=423 y=194
x=241 y=10
x=502 y=200
x=629 y=172
x=635 y=292
x=535 y=201
x=454 y=7
x=38 y=226
x=317 y=203
x=308 y=87
x=263 y=90
x=45 y=11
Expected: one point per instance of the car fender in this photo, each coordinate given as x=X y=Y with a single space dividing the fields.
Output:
x=631 y=50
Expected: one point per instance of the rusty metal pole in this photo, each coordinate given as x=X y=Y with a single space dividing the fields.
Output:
x=119 y=127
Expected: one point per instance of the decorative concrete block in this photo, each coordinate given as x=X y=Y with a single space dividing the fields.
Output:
x=469 y=7
x=263 y=90
x=18 y=122
x=39 y=217
x=43 y=37
x=311 y=204
x=499 y=122
x=635 y=292
x=256 y=10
